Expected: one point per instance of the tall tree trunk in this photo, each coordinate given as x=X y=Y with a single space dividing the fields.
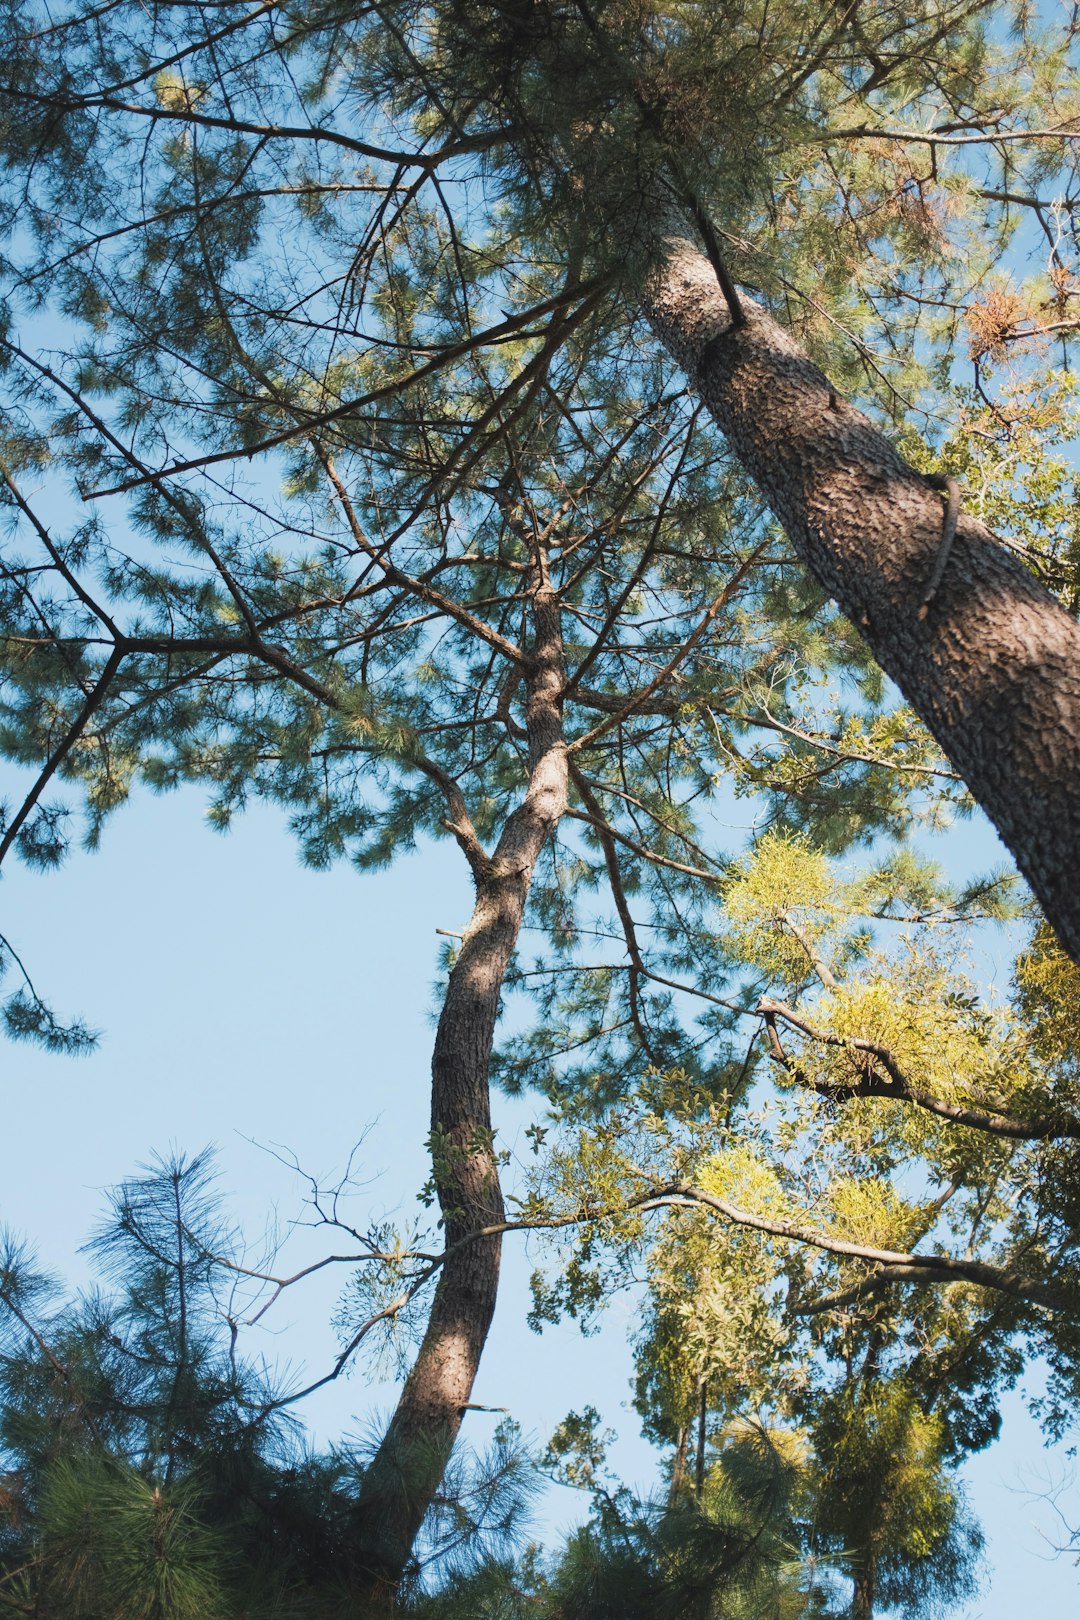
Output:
x=406 y=1471
x=678 y=1464
x=699 y=1461
x=865 y=1587
x=994 y=667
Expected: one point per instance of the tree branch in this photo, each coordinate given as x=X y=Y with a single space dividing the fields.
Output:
x=897 y=1087
x=673 y=663
x=936 y=1267
x=513 y=327
x=59 y=754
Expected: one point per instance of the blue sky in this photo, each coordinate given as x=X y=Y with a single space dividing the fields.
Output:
x=242 y=996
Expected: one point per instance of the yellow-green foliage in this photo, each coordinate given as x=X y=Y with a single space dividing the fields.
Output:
x=1013 y=456
x=1048 y=999
x=883 y=1481
x=744 y=1177
x=176 y=93
x=929 y=1019
x=779 y=905
x=727 y=1317
x=713 y=1320
x=872 y=1212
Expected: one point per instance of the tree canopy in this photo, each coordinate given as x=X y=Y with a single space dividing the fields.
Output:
x=537 y=427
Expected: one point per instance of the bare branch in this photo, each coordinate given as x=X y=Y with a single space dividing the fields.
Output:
x=929 y=137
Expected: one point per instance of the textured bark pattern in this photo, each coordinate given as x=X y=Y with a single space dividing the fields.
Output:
x=408 y=1467
x=994 y=670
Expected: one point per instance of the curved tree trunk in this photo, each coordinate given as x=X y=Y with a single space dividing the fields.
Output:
x=405 y=1473
x=994 y=668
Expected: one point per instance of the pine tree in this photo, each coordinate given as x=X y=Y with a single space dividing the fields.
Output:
x=419 y=533
x=151 y=1474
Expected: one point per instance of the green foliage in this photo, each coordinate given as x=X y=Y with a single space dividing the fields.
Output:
x=150 y=1472
x=115 y=1543
x=729 y=1550
x=886 y=1502
x=1048 y=999
x=341 y=349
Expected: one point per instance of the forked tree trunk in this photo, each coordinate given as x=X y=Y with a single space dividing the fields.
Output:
x=994 y=668
x=404 y=1476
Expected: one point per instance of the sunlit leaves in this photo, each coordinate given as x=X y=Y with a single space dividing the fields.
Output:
x=779 y=903
x=1048 y=997
x=1012 y=453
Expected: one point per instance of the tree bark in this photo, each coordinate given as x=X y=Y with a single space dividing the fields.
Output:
x=404 y=1475
x=864 y=1591
x=993 y=669
x=678 y=1464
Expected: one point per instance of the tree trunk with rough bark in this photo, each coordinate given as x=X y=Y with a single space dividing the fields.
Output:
x=406 y=1471
x=993 y=669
